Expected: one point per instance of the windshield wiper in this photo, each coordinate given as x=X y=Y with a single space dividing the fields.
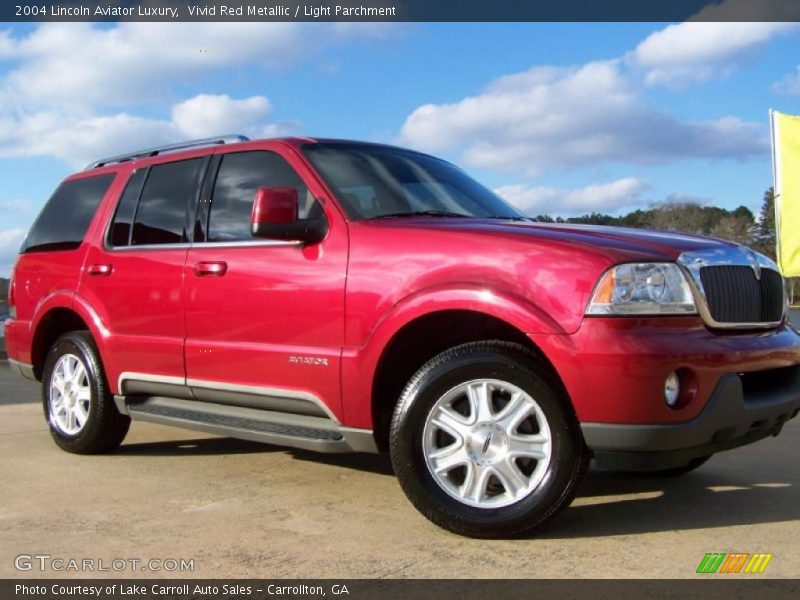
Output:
x=423 y=213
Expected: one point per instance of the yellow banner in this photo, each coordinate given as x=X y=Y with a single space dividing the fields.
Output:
x=786 y=163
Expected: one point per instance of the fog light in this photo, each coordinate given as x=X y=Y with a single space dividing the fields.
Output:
x=672 y=389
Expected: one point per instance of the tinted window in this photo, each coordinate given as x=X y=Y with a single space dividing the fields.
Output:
x=168 y=191
x=240 y=175
x=376 y=181
x=120 y=231
x=63 y=221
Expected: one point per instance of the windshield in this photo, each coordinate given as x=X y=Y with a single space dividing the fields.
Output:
x=374 y=181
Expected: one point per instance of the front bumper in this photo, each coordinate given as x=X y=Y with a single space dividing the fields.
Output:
x=746 y=385
x=614 y=369
x=734 y=416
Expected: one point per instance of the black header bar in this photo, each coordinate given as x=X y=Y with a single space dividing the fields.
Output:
x=402 y=10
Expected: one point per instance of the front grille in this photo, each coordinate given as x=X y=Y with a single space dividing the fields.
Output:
x=734 y=295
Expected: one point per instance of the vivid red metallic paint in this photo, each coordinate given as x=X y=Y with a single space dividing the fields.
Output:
x=343 y=300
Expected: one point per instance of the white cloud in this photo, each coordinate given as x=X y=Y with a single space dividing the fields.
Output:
x=88 y=65
x=16 y=205
x=75 y=90
x=601 y=197
x=565 y=117
x=790 y=84
x=206 y=115
x=6 y=45
x=695 y=52
x=78 y=141
x=10 y=241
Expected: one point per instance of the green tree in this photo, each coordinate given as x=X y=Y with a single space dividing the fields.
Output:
x=764 y=235
x=738 y=225
x=595 y=219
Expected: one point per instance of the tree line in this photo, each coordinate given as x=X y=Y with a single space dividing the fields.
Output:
x=739 y=225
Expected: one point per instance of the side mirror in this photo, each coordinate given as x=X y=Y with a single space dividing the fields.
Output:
x=274 y=217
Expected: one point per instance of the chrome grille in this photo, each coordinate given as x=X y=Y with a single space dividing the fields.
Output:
x=735 y=295
x=735 y=288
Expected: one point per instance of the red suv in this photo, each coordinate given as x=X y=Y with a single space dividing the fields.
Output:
x=344 y=296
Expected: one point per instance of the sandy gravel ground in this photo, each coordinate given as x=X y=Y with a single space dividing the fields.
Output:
x=241 y=509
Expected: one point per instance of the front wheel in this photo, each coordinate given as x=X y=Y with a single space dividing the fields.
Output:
x=483 y=442
x=79 y=409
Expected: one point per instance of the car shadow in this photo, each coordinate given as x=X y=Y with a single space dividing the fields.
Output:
x=15 y=389
x=378 y=464
x=609 y=504
x=197 y=447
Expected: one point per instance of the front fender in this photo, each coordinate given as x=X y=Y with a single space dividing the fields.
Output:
x=359 y=364
x=515 y=310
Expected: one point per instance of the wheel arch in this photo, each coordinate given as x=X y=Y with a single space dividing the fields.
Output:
x=58 y=318
x=426 y=335
x=51 y=326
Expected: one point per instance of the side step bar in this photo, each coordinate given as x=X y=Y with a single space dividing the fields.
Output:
x=297 y=431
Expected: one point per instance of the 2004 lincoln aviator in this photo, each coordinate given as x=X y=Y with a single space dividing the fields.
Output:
x=351 y=297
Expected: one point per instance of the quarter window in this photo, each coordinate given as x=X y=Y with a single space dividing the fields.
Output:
x=65 y=218
x=240 y=175
x=161 y=214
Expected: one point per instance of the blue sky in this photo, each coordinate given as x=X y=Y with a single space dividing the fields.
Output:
x=559 y=118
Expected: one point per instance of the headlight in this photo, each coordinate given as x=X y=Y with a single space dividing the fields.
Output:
x=643 y=289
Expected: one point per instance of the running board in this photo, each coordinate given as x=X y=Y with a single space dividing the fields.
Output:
x=282 y=429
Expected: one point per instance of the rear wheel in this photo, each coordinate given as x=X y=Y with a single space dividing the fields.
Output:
x=484 y=444
x=79 y=409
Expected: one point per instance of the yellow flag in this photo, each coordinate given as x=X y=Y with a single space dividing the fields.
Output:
x=786 y=167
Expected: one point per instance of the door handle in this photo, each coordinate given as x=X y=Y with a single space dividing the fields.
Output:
x=215 y=268
x=100 y=270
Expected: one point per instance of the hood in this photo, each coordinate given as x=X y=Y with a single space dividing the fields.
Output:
x=622 y=242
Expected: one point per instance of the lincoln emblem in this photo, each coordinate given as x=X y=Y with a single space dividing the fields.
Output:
x=486 y=443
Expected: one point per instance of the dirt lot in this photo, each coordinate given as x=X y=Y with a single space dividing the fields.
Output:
x=249 y=510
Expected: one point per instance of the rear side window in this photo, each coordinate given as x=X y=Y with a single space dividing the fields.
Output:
x=168 y=191
x=65 y=218
x=239 y=176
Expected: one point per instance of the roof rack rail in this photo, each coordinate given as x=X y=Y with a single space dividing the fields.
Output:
x=212 y=141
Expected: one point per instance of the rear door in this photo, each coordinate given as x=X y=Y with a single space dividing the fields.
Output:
x=135 y=278
x=265 y=319
x=51 y=257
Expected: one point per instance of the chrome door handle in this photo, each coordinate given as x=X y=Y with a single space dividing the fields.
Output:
x=211 y=268
x=100 y=270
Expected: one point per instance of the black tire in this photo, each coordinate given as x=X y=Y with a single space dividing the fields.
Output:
x=505 y=362
x=104 y=427
x=695 y=463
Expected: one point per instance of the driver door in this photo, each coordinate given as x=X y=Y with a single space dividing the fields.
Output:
x=264 y=318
